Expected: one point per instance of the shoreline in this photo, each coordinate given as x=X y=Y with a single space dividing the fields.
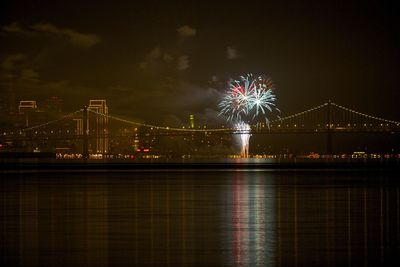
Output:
x=51 y=165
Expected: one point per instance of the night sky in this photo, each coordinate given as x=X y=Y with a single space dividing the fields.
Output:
x=159 y=61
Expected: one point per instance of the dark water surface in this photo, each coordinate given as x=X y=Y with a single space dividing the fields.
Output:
x=214 y=218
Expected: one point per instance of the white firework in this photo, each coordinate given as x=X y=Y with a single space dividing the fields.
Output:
x=248 y=100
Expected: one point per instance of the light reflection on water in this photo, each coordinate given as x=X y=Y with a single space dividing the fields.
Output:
x=253 y=222
x=200 y=219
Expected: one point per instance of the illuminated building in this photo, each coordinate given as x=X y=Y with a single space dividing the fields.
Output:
x=79 y=126
x=98 y=125
x=136 y=141
x=191 y=121
x=25 y=105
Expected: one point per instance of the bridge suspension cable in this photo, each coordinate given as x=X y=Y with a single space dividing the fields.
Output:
x=300 y=113
x=365 y=115
x=161 y=127
x=350 y=115
x=51 y=122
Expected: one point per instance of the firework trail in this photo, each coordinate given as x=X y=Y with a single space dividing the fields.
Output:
x=244 y=135
x=248 y=100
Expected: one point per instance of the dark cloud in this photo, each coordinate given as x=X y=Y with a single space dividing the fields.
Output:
x=168 y=89
x=29 y=75
x=15 y=67
x=152 y=59
x=183 y=63
x=13 y=27
x=160 y=61
x=186 y=31
x=168 y=58
x=84 y=40
x=165 y=96
x=12 y=62
x=232 y=53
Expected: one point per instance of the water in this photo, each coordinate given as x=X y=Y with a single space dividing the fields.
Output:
x=209 y=218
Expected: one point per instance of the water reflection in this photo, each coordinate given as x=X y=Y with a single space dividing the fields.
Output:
x=200 y=219
x=253 y=222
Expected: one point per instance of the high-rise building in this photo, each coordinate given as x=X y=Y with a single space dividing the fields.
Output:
x=99 y=125
x=79 y=126
x=191 y=121
x=25 y=105
x=136 y=141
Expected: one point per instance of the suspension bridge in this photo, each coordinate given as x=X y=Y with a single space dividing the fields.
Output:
x=86 y=124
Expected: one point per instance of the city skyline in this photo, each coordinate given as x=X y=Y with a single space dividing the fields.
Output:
x=335 y=130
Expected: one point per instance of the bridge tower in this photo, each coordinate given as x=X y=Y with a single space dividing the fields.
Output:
x=329 y=129
x=99 y=125
x=85 y=150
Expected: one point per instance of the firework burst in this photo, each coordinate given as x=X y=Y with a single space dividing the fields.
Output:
x=248 y=100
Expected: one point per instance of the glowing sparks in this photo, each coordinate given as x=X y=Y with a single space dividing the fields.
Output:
x=246 y=101
x=244 y=134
